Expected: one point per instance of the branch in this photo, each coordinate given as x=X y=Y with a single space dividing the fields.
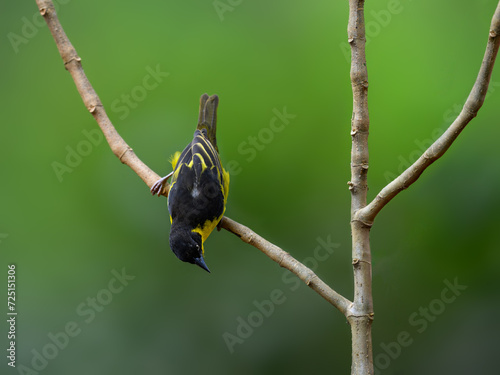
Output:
x=358 y=186
x=439 y=147
x=360 y=315
x=285 y=260
x=124 y=152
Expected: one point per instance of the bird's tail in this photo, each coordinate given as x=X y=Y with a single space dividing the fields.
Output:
x=208 y=117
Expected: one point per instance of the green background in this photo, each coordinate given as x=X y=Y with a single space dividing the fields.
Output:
x=66 y=237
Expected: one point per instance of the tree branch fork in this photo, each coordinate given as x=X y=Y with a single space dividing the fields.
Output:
x=469 y=111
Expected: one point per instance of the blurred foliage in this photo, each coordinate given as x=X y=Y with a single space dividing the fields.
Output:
x=66 y=237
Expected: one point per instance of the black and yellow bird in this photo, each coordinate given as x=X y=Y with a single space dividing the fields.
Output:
x=198 y=190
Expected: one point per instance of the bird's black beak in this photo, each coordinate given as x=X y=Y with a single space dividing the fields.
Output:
x=201 y=262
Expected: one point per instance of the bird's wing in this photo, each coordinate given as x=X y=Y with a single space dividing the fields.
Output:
x=205 y=157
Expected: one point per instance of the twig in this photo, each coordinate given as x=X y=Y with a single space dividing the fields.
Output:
x=360 y=315
x=439 y=147
x=123 y=151
x=285 y=260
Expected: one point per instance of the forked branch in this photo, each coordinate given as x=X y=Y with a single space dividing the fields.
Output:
x=439 y=147
x=124 y=152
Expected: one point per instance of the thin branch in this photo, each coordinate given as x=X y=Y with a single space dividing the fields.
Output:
x=285 y=260
x=360 y=315
x=123 y=151
x=439 y=147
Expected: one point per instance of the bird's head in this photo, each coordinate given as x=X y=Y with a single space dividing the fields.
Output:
x=187 y=246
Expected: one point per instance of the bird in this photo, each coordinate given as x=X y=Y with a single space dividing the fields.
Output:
x=198 y=189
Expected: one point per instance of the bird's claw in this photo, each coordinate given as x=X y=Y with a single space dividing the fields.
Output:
x=157 y=187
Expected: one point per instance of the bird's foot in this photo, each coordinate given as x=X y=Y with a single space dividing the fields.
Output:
x=157 y=187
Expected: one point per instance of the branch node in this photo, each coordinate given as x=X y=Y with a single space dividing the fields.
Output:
x=128 y=148
x=363 y=165
x=351 y=39
x=361 y=83
x=282 y=257
x=472 y=111
x=248 y=238
x=365 y=224
x=73 y=58
x=309 y=278
x=440 y=146
x=370 y=316
x=356 y=262
x=92 y=107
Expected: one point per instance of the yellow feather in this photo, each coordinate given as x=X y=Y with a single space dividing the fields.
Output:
x=205 y=230
x=174 y=159
x=203 y=164
x=225 y=175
